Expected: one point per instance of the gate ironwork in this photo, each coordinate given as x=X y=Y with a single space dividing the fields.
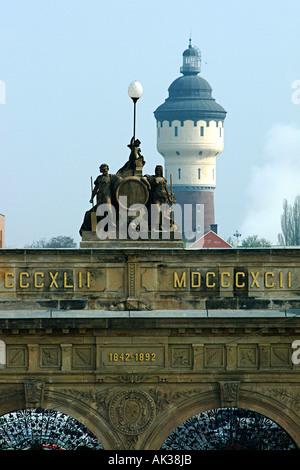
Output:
x=44 y=429
x=229 y=429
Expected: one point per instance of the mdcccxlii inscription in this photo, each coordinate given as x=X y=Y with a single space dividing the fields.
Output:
x=52 y=280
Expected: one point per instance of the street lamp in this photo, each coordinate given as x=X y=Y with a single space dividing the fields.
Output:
x=237 y=235
x=135 y=91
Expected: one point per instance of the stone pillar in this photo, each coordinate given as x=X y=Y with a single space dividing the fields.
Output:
x=33 y=357
x=231 y=356
x=198 y=356
x=264 y=356
x=66 y=357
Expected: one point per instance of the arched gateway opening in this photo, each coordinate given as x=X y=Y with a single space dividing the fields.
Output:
x=229 y=429
x=44 y=429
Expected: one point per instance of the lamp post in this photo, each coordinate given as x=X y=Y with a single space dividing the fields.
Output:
x=237 y=235
x=135 y=91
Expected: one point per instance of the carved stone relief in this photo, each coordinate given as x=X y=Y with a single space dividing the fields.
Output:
x=131 y=411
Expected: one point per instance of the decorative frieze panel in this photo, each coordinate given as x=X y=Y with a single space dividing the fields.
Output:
x=115 y=357
x=50 y=356
x=181 y=357
x=281 y=356
x=214 y=356
x=17 y=356
x=84 y=357
x=247 y=357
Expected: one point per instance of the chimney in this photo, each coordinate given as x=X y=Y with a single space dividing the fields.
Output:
x=214 y=228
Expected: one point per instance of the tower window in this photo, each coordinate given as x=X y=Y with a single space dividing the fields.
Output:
x=199 y=172
x=179 y=173
x=213 y=174
x=177 y=153
x=176 y=131
x=200 y=153
x=201 y=131
x=220 y=131
x=158 y=132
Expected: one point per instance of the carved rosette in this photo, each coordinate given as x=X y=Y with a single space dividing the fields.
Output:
x=132 y=411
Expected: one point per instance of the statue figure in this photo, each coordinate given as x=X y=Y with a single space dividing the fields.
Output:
x=104 y=190
x=136 y=159
x=159 y=188
x=160 y=199
x=102 y=186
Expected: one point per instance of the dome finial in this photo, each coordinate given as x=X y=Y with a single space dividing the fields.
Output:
x=190 y=41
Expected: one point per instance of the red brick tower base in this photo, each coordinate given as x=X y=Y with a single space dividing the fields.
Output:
x=196 y=198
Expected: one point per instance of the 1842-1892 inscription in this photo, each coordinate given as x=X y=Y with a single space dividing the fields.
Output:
x=136 y=356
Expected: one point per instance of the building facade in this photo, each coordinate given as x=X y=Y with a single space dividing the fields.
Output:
x=134 y=343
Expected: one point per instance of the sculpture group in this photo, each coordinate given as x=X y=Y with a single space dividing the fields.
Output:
x=129 y=188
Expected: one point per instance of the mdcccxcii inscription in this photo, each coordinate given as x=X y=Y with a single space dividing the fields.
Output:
x=238 y=279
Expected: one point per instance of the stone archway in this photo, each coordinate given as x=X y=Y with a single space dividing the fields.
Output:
x=13 y=400
x=271 y=409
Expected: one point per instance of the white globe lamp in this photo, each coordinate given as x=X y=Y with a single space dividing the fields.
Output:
x=135 y=91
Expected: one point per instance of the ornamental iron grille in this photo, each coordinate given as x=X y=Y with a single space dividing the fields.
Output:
x=43 y=429
x=229 y=429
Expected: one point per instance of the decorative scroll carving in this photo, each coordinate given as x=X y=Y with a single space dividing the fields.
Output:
x=130 y=304
x=163 y=399
x=131 y=279
x=287 y=397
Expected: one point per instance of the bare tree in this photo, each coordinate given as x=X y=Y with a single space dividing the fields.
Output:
x=290 y=224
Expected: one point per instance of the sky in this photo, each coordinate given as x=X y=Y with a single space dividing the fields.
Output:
x=65 y=67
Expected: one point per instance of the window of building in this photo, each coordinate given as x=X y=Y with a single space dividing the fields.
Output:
x=201 y=131
x=200 y=153
x=177 y=153
x=176 y=131
x=199 y=172
x=179 y=173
